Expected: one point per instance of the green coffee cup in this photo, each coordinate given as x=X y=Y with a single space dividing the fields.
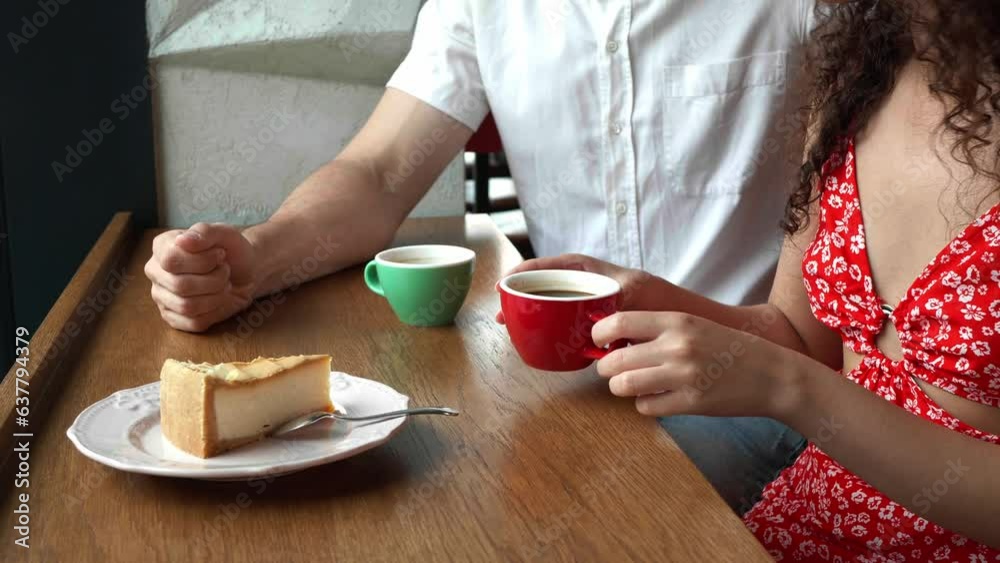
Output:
x=426 y=284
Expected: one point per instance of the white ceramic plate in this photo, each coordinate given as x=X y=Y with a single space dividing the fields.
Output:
x=123 y=431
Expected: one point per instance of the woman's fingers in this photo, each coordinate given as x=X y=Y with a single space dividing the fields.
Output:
x=665 y=404
x=632 y=325
x=644 y=381
x=638 y=356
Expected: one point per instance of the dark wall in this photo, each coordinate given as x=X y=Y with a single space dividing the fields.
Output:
x=6 y=295
x=63 y=79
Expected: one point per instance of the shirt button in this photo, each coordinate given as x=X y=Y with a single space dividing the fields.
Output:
x=612 y=46
x=621 y=208
x=616 y=128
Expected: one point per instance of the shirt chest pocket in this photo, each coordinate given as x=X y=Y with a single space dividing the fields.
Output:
x=716 y=121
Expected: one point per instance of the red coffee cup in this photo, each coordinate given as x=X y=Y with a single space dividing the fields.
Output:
x=549 y=315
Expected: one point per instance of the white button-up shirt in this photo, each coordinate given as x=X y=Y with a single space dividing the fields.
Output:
x=655 y=134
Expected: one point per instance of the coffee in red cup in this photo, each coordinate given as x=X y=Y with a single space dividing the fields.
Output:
x=549 y=315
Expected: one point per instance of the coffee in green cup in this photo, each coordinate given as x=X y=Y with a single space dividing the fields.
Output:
x=425 y=284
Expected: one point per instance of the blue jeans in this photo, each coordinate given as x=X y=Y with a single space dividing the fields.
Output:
x=739 y=456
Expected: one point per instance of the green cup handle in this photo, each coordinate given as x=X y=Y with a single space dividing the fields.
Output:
x=371 y=279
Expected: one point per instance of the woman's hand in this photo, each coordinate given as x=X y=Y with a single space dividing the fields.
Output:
x=683 y=364
x=632 y=281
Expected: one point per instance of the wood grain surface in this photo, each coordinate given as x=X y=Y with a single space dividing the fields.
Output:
x=539 y=467
x=66 y=328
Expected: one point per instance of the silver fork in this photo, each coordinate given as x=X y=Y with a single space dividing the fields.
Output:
x=314 y=417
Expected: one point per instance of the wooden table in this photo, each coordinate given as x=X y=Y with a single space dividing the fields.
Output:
x=540 y=466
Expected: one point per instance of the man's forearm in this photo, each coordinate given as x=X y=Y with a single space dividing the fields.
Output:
x=765 y=320
x=339 y=216
x=350 y=208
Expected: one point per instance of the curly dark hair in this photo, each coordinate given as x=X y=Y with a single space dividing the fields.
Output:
x=854 y=56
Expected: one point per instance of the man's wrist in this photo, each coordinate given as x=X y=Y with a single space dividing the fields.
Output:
x=646 y=292
x=257 y=236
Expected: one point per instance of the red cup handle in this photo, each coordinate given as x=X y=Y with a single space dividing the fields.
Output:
x=592 y=351
x=597 y=316
x=595 y=353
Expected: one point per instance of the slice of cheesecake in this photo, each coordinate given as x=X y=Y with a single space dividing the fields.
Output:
x=206 y=409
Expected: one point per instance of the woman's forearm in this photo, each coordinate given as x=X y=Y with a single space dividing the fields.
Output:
x=946 y=477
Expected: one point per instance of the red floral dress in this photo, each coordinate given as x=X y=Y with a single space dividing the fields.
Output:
x=949 y=328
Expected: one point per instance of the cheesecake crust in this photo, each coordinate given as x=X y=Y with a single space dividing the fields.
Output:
x=188 y=396
x=183 y=396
